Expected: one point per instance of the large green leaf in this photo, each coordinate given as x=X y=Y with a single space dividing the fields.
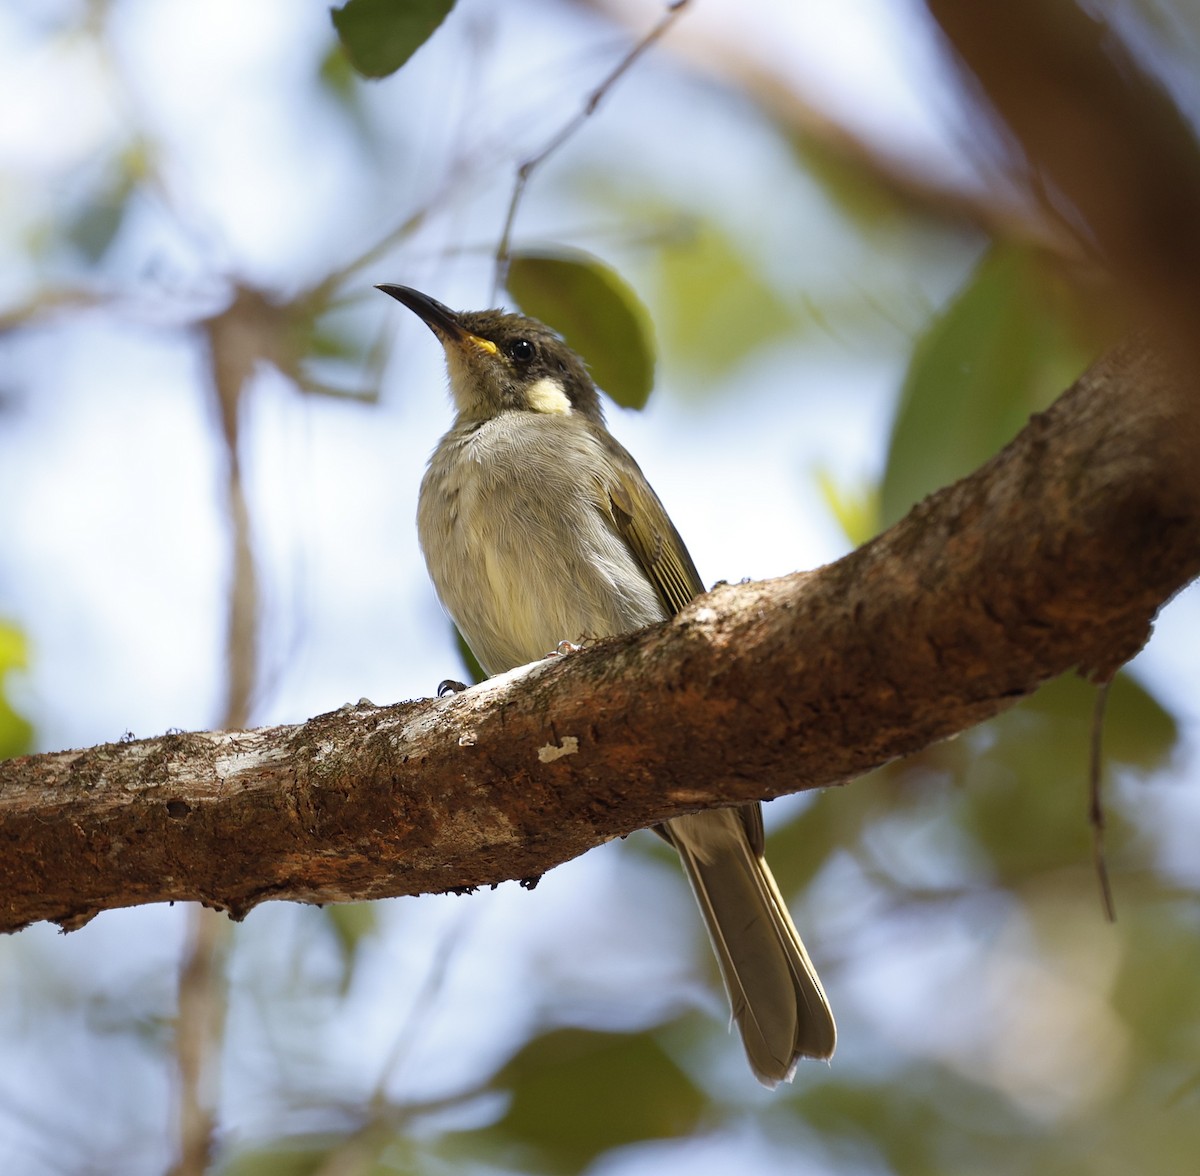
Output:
x=1138 y=732
x=716 y=306
x=577 y=1093
x=1028 y=770
x=918 y=1119
x=1012 y=339
x=379 y=36
x=1013 y=792
x=595 y=311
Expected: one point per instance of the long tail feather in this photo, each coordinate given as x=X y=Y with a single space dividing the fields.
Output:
x=777 y=1000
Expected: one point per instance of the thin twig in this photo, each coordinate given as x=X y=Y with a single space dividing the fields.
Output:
x=423 y=1003
x=672 y=13
x=803 y=116
x=200 y=1021
x=199 y=1033
x=406 y=228
x=1096 y=805
x=358 y=1151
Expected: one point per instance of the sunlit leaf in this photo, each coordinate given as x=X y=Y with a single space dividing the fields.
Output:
x=856 y=509
x=338 y=76
x=596 y=312
x=379 y=36
x=1006 y=346
x=16 y=734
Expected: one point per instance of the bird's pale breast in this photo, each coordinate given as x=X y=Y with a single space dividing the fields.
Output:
x=498 y=506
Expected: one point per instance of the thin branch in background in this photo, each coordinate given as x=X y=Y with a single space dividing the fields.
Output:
x=669 y=17
x=243 y=334
x=1119 y=151
x=357 y=1153
x=1096 y=805
x=47 y=302
x=199 y=1032
x=234 y=345
x=406 y=228
x=802 y=115
x=423 y=1003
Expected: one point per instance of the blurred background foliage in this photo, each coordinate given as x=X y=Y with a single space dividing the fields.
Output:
x=797 y=230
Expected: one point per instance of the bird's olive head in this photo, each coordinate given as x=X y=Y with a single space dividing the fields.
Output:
x=501 y=362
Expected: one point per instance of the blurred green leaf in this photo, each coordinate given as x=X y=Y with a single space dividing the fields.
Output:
x=475 y=672
x=1138 y=730
x=341 y=82
x=351 y=923
x=1157 y=987
x=849 y=183
x=322 y=348
x=379 y=36
x=16 y=734
x=856 y=510
x=577 y=1093
x=94 y=227
x=716 y=305
x=922 y=1119
x=1027 y=781
x=798 y=849
x=301 y=1155
x=596 y=312
x=329 y=341
x=338 y=76
x=1013 y=339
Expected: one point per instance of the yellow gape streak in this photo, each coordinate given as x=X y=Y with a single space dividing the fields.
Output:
x=538 y=528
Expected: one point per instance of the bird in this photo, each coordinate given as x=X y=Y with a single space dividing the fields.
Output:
x=538 y=528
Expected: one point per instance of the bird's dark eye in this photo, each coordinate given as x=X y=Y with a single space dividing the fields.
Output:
x=521 y=350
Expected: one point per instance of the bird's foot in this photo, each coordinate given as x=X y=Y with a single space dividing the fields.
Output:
x=449 y=686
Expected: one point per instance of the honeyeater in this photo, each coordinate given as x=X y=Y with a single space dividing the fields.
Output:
x=538 y=528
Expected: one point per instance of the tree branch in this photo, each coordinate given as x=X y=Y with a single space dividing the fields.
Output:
x=1101 y=133
x=1055 y=555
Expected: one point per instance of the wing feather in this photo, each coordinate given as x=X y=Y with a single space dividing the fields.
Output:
x=651 y=537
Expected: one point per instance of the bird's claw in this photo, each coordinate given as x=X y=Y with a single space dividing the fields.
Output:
x=449 y=686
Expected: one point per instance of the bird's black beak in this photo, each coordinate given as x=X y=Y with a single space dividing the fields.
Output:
x=441 y=320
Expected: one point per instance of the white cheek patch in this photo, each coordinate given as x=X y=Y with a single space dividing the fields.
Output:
x=547 y=396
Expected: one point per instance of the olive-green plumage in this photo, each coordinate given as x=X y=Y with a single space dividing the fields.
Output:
x=538 y=528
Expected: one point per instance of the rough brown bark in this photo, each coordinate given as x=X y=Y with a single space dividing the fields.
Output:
x=1055 y=555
